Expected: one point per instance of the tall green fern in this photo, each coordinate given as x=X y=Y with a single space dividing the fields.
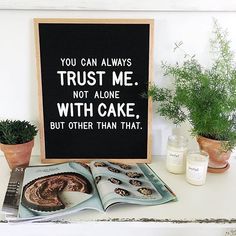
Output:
x=204 y=97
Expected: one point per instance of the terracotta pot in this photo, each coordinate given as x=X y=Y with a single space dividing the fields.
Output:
x=218 y=159
x=17 y=154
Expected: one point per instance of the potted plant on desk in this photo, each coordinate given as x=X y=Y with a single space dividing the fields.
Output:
x=204 y=97
x=17 y=141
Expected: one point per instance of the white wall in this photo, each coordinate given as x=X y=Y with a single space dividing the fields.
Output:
x=18 y=83
x=122 y=5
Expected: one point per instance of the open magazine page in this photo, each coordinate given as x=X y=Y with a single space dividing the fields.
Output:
x=136 y=184
x=57 y=190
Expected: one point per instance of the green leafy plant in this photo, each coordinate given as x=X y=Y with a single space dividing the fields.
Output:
x=16 y=131
x=204 y=97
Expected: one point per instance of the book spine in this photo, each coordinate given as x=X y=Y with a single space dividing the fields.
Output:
x=13 y=193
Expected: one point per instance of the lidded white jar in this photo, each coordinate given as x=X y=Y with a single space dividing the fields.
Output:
x=177 y=149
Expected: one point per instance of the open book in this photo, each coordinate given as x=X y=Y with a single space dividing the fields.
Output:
x=47 y=192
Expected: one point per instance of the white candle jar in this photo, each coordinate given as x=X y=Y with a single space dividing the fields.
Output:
x=176 y=154
x=196 y=167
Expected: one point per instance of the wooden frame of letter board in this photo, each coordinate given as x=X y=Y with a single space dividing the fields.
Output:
x=37 y=21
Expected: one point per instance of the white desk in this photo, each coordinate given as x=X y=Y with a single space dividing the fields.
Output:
x=211 y=206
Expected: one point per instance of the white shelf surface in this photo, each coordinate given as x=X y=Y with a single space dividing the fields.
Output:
x=213 y=202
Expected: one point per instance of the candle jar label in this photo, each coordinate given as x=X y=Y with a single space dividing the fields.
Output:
x=195 y=172
x=175 y=161
x=175 y=158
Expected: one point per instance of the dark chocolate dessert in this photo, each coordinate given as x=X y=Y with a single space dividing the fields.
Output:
x=43 y=194
x=145 y=191
x=134 y=174
x=135 y=182
x=100 y=164
x=115 y=181
x=112 y=169
x=122 y=192
x=125 y=167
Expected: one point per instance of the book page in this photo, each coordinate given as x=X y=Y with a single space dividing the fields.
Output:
x=122 y=183
x=57 y=190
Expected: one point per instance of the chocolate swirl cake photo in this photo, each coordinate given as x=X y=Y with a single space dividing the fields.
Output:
x=44 y=194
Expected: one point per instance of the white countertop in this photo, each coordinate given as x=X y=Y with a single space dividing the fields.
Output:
x=200 y=210
x=212 y=202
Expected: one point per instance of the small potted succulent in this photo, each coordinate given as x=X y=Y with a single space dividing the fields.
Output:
x=205 y=97
x=17 y=141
